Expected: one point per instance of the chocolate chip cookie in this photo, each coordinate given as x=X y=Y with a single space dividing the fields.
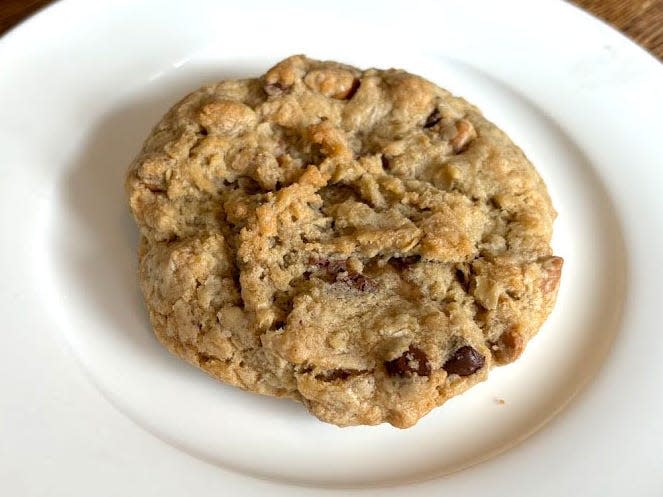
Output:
x=359 y=240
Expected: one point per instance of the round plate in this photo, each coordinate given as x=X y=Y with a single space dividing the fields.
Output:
x=88 y=393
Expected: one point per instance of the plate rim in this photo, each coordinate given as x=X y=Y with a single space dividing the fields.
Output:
x=22 y=30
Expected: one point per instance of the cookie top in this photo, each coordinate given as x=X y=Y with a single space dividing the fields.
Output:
x=361 y=241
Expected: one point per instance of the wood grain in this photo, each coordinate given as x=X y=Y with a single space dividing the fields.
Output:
x=641 y=20
x=14 y=11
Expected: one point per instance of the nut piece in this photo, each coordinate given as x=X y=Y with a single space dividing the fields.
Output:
x=464 y=362
x=552 y=267
x=332 y=140
x=412 y=361
x=281 y=78
x=335 y=83
x=509 y=346
x=226 y=117
x=464 y=134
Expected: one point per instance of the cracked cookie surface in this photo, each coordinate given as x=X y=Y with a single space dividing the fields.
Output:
x=361 y=241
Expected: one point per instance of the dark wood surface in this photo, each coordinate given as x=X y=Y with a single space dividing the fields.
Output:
x=14 y=11
x=641 y=20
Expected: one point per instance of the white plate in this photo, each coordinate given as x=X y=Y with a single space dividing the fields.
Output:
x=90 y=403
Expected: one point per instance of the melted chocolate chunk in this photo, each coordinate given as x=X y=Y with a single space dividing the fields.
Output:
x=463 y=280
x=338 y=374
x=359 y=282
x=276 y=89
x=412 y=361
x=434 y=118
x=356 y=83
x=464 y=362
x=331 y=266
x=402 y=263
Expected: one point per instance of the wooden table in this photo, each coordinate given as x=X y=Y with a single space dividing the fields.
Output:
x=642 y=20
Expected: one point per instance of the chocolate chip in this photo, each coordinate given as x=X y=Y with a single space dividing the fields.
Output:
x=336 y=194
x=155 y=188
x=316 y=154
x=336 y=271
x=249 y=185
x=385 y=163
x=332 y=266
x=512 y=295
x=336 y=267
x=412 y=361
x=402 y=263
x=463 y=280
x=411 y=259
x=303 y=368
x=434 y=118
x=356 y=83
x=205 y=359
x=276 y=89
x=359 y=282
x=337 y=374
x=464 y=362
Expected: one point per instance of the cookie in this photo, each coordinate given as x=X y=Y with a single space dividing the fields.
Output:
x=361 y=241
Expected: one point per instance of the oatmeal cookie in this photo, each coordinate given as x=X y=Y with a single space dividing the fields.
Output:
x=359 y=240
